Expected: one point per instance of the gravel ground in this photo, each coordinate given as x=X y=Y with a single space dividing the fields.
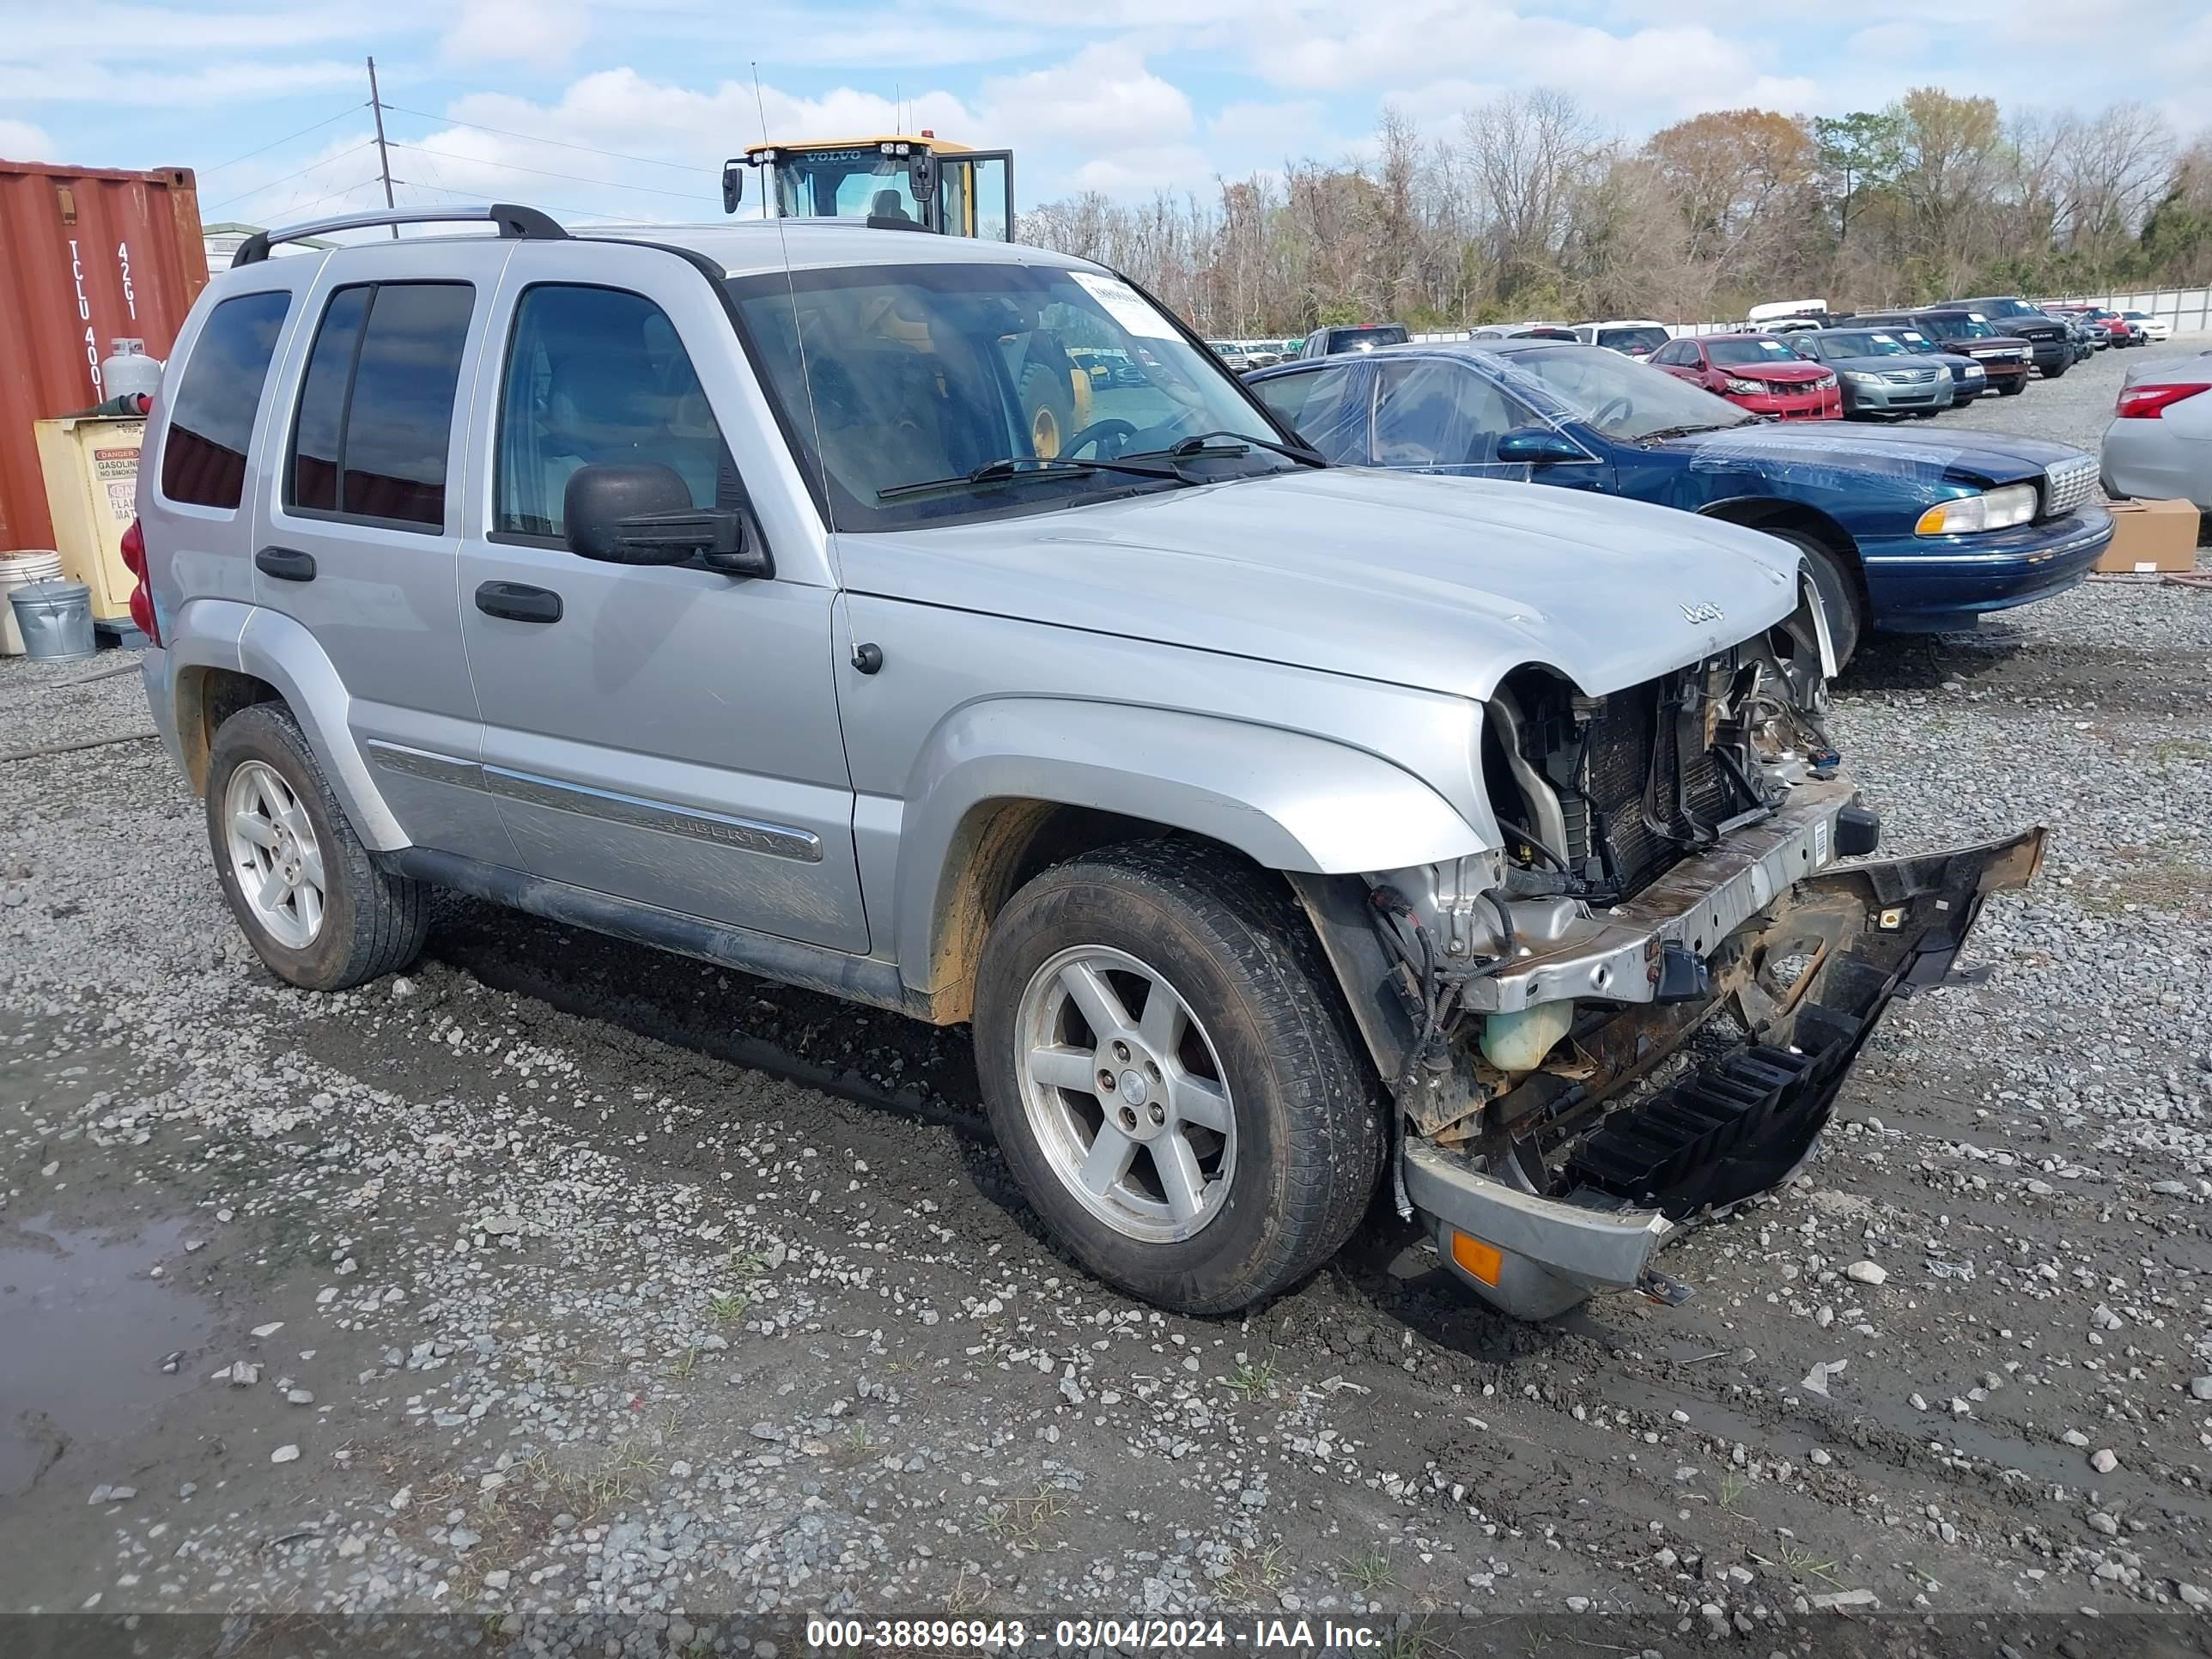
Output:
x=593 y=1294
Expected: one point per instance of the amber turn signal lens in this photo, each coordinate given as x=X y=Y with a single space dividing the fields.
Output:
x=1476 y=1258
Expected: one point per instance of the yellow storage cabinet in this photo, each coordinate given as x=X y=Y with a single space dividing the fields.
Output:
x=91 y=466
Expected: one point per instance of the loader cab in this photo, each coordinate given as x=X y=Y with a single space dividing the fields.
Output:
x=925 y=183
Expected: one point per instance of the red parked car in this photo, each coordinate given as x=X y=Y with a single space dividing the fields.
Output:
x=1757 y=372
x=2117 y=328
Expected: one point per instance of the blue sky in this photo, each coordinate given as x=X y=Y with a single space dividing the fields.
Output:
x=1130 y=95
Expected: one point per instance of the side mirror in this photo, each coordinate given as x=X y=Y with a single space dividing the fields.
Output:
x=733 y=186
x=1538 y=445
x=921 y=175
x=641 y=513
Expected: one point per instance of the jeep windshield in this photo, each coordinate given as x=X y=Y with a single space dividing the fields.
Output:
x=1625 y=400
x=901 y=375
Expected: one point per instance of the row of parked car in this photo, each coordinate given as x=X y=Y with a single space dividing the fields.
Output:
x=1804 y=364
x=1900 y=531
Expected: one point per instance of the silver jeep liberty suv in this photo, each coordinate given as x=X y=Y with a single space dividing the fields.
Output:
x=793 y=597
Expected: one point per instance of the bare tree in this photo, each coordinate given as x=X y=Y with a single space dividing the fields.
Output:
x=2115 y=167
x=1526 y=207
x=1529 y=154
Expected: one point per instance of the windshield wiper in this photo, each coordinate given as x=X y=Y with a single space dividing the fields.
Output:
x=1685 y=431
x=1234 y=443
x=1011 y=469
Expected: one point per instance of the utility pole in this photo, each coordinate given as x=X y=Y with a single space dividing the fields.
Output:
x=383 y=155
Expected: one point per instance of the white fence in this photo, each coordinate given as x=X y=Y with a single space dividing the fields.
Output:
x=2184 y=310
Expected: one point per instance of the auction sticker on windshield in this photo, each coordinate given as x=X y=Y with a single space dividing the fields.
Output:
x=1126 y=305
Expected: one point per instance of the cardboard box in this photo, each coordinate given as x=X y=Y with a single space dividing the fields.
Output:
x=2149 y=535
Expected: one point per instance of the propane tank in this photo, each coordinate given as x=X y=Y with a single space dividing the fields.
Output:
x=129 y=372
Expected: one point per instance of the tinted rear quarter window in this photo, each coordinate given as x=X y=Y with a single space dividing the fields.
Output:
x=376 y=408
x=211 y=422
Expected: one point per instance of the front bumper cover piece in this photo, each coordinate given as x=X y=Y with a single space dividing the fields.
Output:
x=1807 y=978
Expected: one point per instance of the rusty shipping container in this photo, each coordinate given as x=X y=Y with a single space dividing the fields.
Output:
x=87 y=256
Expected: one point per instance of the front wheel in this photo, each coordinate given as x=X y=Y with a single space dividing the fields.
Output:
x=1170 y=1074
x=1839 y=594
x=2014 y=388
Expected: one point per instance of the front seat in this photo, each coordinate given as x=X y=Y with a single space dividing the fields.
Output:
x=887 y=205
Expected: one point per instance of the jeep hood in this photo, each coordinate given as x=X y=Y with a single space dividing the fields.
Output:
x=1442 y=584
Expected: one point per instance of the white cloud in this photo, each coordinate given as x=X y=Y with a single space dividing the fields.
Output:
x=106 y=33
x=1279 y=131
x=1103 y=96
x=542 y=33
x=22 y=142
x=1099 y=120
x=229 y=83
x=1142 y=174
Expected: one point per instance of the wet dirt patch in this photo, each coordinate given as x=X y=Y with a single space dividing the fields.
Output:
x=96 y=1339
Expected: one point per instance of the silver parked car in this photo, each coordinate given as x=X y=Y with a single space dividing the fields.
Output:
x=1283 y=831
x=2160 y=443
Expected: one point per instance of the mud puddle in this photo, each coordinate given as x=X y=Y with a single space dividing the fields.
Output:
x=88 y=1326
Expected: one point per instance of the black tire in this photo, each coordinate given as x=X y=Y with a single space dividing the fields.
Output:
x=1307 y=1108
x=1048 y=402
x=2055 y=372
x=1840 y=596
x=2012 y=387
x=372 y=922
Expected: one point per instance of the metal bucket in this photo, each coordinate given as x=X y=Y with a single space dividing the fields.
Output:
x=55 y=619
x=15 y=569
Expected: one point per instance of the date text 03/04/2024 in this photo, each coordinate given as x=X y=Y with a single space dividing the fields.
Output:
x=989 y=1635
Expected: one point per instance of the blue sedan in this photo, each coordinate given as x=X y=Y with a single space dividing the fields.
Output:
x=1913 y=530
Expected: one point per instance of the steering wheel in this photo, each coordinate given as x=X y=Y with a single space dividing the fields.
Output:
x=1613 y=409
x=1111 y=430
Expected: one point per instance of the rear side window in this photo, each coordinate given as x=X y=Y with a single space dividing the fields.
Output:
x=376 y=405
x=211 y=423
x=1438 y=414
x=1319 y=405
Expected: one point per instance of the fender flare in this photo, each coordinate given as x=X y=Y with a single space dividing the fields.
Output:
x=1288 y=801
x=250 y=640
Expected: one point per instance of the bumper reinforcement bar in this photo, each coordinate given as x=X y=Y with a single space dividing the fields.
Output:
x=1738 y=1123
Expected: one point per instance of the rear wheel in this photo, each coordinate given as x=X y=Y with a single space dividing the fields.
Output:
x=1170 y=1073
x=1838 y=590
x=303 y=888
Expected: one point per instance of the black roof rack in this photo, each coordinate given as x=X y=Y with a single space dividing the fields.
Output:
x=527 y=223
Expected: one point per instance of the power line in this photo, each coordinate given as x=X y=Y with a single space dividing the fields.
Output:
x=287 y=139
x=289 y=209
x=559 y=143
x=271 y=184
x=574 y=178
x=471 y=196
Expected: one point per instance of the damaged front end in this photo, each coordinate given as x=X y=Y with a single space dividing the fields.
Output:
x=1642 y=1007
